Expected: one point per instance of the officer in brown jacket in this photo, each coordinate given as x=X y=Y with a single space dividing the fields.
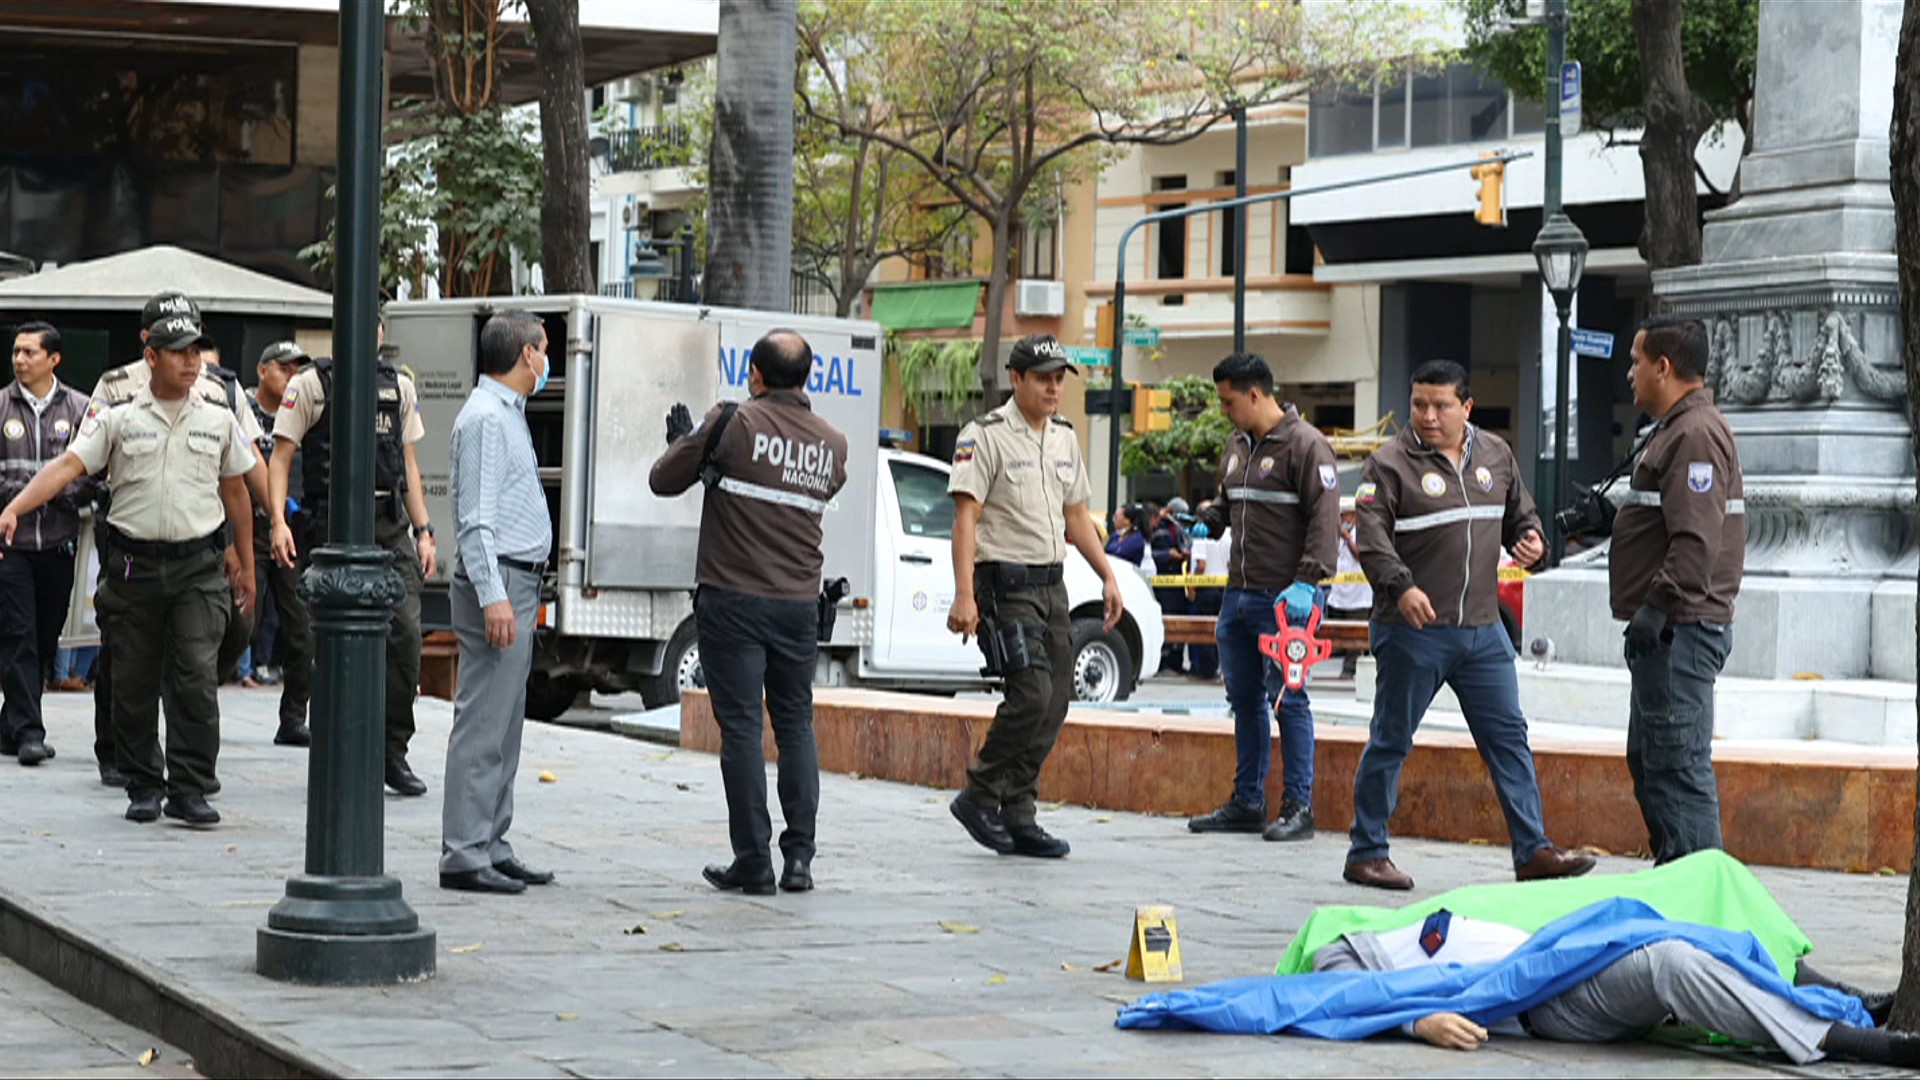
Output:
x=1280 y=495
x=39 y=416
x=771 y=468
x=1435 y=506
x=1679 y=548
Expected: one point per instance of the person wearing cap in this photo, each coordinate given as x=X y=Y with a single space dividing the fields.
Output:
x=1279 y=495
x=176 y=463
x=278 y=363
x=39 y=416
x=1020 y=492
x=401 y=524
x=771 y=466
x=1435 y=507
x=117 y=388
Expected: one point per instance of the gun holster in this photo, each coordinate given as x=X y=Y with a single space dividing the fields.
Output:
x=1010 y=647
x=831 y=593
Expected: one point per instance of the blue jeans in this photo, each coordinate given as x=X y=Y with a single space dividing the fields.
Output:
x=1254 y=685
x=1411 y=665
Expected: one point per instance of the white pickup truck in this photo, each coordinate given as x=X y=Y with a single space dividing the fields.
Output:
x=620 y=611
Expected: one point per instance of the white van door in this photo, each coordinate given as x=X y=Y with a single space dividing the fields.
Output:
x=915 y=530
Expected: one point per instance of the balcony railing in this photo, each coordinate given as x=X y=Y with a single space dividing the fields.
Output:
x=809 y=296
x=640 y=149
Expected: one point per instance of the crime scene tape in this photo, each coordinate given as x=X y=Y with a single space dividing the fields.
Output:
x=1350 y=577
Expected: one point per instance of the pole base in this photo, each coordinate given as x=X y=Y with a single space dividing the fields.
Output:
x=340 y=960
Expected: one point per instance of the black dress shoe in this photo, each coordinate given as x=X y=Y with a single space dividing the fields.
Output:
x=191 y=807
x=521 y=872
x=752 y=880
x=296 y=735
x=143 y=806
x=111 y=776
x=1294 y=823
x=797 y=876
x=1037 y=842
x=34 y=751
x=401 y=779
x=486 y=879
x=982 y=824
x=1232 y=817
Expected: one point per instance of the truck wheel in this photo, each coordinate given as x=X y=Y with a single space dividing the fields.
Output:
x=679 y=669
x=1102 y=663
x=548 y=696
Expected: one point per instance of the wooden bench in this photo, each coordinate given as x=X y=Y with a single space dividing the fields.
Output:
x=1347 y=635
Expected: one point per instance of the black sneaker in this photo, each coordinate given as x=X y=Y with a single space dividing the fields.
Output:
x=1294 y=823
x=191 y=807
x=1233 y=816
x=34 y=751
x=143 y=806
x=982 y=824
x=1037 y=842
x=297 y=734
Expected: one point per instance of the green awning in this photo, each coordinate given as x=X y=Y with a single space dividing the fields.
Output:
x=926 y=305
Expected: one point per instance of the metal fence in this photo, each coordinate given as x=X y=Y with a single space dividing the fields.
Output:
x=638 y=149
x=810 y=295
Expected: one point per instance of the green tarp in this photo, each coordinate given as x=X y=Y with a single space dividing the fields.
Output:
x=926 y=305
x=1707 y=887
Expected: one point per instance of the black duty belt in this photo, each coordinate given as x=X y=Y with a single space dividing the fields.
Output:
x=523 y=565
x=1006 y=575
x=164 y=549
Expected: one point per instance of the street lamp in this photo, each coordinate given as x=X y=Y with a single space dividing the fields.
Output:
x=1561 y=252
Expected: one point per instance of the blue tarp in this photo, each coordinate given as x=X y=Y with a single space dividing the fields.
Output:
x=1566 y=952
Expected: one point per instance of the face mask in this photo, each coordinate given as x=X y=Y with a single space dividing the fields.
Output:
x=540 y=382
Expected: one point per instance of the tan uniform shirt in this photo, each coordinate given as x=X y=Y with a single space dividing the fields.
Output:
x=1024 y=480
x=120 y=385
x=165 y=473
x=306 y=399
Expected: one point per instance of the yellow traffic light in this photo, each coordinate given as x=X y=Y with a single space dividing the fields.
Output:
x=1152 y=409
x=1493 y=203
x=1103 y=327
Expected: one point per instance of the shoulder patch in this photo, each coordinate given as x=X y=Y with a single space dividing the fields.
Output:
x=1063 y=422
x=991 y=418
x=118 y=374
x=1366 y=493
x=963 y=451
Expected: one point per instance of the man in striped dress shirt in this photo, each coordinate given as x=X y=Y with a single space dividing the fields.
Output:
x=504 y=536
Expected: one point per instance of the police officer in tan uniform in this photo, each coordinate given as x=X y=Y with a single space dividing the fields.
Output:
x=771 y=466
x=1020 y=492
x=1679 y=552
x=175 y=461
x=117 y=388
x=400 y=519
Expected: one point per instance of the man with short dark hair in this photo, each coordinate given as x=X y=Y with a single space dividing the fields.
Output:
x=1435 y=507
x=1678 y=554
x=503 y=537
x=770 y=467
x=39 y=416
x=279 y=362
x=1280 y=495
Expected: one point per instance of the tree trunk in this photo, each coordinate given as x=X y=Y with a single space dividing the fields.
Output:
x=750 y=215
x=1905 y=138
x=997 y=287
x=1670 y=235
x=566 y=200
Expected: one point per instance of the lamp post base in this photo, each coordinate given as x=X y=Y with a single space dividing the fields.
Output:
x=333 y=931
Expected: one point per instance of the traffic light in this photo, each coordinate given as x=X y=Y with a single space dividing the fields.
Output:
x=1493 y=202
x=1103 y=327
x=1152 y=409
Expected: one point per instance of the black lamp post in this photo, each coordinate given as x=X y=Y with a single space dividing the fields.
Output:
x=343 y=922
x=1561 y=252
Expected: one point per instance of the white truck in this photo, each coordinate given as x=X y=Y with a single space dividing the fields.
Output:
x=619 y=616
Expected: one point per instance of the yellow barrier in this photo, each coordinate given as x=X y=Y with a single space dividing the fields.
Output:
x=1350 y=577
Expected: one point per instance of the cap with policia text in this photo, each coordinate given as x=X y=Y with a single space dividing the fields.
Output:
x=176 y=332
x=284 y=352
x=171 y=302
x=1039 y=352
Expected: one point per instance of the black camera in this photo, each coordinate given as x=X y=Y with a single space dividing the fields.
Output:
x=1589 y=514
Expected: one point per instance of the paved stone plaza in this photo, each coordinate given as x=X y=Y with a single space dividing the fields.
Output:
x=920 y=954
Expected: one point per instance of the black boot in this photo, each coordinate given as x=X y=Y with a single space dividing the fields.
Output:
x=401 y=779
x=1900 y=1048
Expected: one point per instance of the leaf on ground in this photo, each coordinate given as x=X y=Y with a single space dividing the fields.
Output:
x=952 y=927
x=475 y=947
x=997 y=979
x=548 y=778
x=636 y=928
x=1593 y=849
x=1103 y=819
x=1887 y=871
x=668 y=914
x=683 y=787
x=149 y=1056
x=44 y=832
x=673 y=946
x=564 y=1017
x=663 y=756
x=231 y=848
x=1479 y=841
x=1111 y=965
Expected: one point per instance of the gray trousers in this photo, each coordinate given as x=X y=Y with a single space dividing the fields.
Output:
x=489 y=713
x=1670 y=739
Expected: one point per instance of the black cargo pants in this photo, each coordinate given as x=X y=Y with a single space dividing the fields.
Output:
x=1006 y=775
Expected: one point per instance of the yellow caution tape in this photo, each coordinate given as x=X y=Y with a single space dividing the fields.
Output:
x=1349 y=577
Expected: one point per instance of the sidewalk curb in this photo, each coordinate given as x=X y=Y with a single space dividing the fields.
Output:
x=147 y=999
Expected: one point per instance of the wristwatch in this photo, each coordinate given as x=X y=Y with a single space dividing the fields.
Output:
x=423 y=530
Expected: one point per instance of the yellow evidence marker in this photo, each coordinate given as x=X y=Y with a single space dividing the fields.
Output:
x=1154 y=955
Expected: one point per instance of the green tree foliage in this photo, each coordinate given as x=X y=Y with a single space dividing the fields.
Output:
x=1719 y=38
x=1195 y=441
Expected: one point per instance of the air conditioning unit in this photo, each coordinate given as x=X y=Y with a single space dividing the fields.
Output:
x=634 y=215
x=1043 y=299
x=638 y=91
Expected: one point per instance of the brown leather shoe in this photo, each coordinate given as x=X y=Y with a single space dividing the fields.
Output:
x=1551 y=862
x=1378 y=874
